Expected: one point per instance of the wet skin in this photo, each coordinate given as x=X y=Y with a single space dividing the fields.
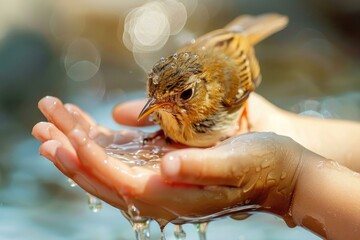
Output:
x=74 y=143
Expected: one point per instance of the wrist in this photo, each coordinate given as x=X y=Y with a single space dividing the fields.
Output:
x=288 y=171
x=308 y=176
x=266 y=117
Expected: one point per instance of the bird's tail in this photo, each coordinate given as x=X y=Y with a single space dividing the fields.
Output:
x=257 y=28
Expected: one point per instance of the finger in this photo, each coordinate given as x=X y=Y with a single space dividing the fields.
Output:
x=128 y=112
x=41 y=131
x=48 y=149
x=54 y=110
x=110 y=171
x=69 y=164
x=45 y=131
x=85 y=121
x=202 y=167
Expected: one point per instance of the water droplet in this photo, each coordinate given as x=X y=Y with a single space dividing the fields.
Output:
x=195 y=56
x=201 y=230
x=172 y=65
x=151 y=118
x=141 y=227
x=271 y=179
x=133 y=212
x=175 y=55
x=193 y=41
x=203 y=48
x=266 y=163
x=71 y=182
x=162 y=224
x=283 y=175
x=156 y=150
x=186 y=55
x=240 y=93
x=179 y=232
x=240 y=216
x=142 y=230
x=162 y=60
x=183 y=110
x=94 y=203
x=155 y=79
x=198 y=80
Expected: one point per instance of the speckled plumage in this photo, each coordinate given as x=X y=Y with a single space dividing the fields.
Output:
x=197 y=93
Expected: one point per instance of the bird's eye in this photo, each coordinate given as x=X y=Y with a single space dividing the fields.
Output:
x=187 y=94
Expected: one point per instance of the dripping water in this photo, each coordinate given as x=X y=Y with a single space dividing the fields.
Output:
x=179 y=232
x=94 y=203
x=201 y=230
x=140 y=226
x=71 y=182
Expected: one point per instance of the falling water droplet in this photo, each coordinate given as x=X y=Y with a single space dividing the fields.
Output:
x=71 y=182
x=179 y=233
x=155 y=79
x=142 y=230
x=201 y=229
x=162 y=224
x=94 y=203
x=175 y=55
x=162 y=234
x=162 y=60
x=141 y=227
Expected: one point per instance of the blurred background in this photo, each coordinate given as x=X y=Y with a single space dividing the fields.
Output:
x=96 y=53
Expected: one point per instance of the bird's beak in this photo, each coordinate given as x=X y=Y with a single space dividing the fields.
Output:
x=150 y=107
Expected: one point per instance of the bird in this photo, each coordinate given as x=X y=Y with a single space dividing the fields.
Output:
x=198 y=94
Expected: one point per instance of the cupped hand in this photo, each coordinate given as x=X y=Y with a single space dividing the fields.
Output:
x=75 y=144
x=262 y=166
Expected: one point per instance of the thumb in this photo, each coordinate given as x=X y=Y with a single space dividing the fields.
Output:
x=201 y=167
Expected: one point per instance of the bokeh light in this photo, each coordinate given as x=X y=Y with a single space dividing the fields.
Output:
x=148 y=27
x=82 y=60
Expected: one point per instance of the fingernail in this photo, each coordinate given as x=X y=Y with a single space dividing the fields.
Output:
x=78 y=137
x=48 y=103
x=171 y=166
x=65 y=161
x=49 y=149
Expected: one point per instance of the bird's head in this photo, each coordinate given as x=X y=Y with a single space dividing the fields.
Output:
x=175 y=85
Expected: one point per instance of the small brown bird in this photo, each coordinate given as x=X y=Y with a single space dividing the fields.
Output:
x=198 y=94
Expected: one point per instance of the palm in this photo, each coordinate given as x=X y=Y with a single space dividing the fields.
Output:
x=75 y=144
